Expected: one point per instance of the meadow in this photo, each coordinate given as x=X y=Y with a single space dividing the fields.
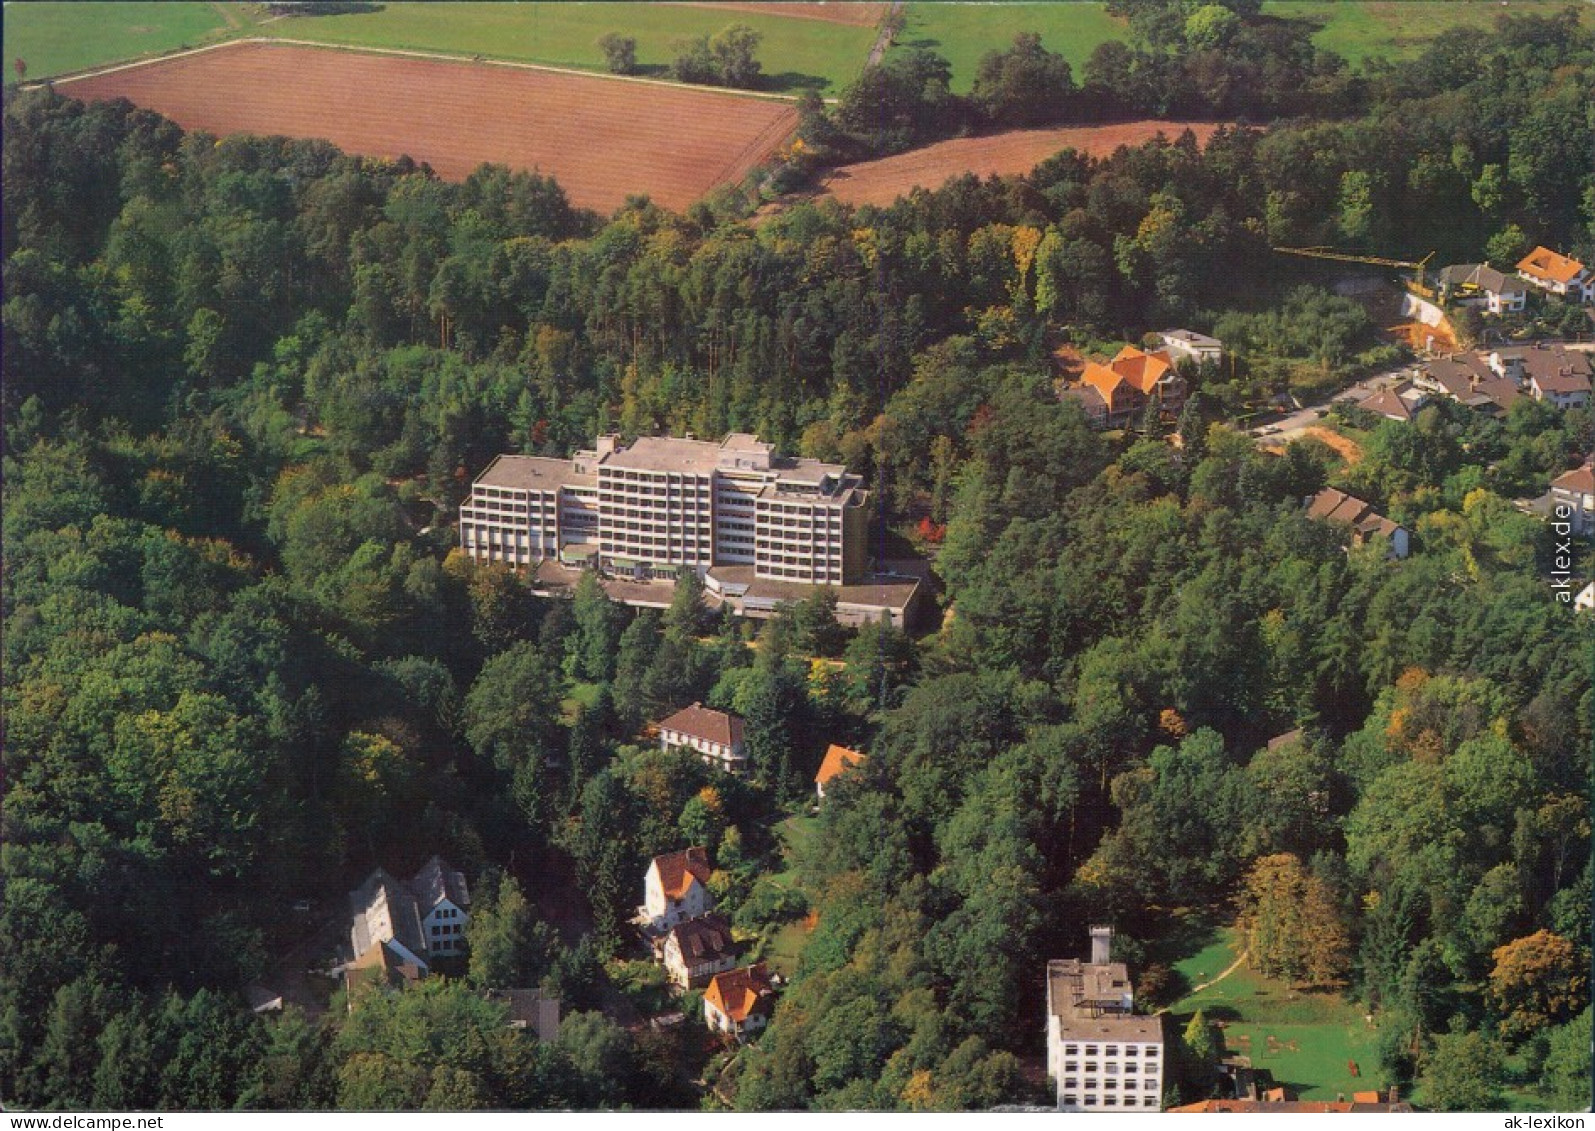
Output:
x=55 y=38
x=795 y=53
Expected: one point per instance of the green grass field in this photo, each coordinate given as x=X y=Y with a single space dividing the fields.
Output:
x=1306 y=1040
x=795 y=53
x=55 y=38
x=962 y=33
x=1355 y=29
x=1398 y=29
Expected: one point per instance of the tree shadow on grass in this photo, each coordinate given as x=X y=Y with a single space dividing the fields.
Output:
x=790 y=82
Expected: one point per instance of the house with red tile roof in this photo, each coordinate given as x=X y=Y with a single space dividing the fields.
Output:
x=1338 y=507
x=1558 y=275
x=838 y=759
x=697 y=950
x=715 y=735
x=739 y=1002
x=1112 y=394
x=675 y=888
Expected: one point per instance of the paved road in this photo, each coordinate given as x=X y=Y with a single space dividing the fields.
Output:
x=1307 y=417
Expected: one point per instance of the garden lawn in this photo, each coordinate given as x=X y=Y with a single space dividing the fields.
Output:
x=795 y=53
x=962 y=33
x=55 y=38
x=1306 y=1040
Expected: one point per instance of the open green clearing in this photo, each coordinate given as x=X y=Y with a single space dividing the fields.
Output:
x=1304 y=1039
x=962 y=33
x=1355 y=29
x=785 y=946
x=1398 y=29
x=56 y=38
x=795 y=53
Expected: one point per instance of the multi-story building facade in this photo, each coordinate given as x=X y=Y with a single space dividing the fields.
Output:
x=646 y=509
x=1101 y=1056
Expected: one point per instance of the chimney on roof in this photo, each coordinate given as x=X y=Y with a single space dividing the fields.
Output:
x=1101 y=945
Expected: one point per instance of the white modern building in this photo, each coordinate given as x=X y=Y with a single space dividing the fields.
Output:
x=1199 y=349
x=646 y=509
x=1101 y=1056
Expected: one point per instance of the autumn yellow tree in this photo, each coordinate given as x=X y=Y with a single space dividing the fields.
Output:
x=1292 y=926
x=1538 y=981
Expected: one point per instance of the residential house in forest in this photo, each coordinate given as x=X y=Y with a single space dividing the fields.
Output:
x=1558 y=275
x=838 y=759
x=1482 y=286
x=1338 y=507
x=1112 y=395
x=739 y=1002
x=400 y=928
x=716 y=736
x=696 y=950
x=1102 y=1057
x=676 y=887
x=1188 y=345
x=1399 y=402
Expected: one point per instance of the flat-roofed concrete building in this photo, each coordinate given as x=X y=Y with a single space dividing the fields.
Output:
x=1102 y=1057
x=643 y=510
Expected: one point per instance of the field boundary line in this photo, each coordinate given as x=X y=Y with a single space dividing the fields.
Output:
x=412 y=53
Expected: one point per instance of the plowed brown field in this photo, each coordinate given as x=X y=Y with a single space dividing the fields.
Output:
x=1018 y=151
x=857 y=15
x=601 y=139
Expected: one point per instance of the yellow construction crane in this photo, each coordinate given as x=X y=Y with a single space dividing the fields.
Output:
x=1377 y=261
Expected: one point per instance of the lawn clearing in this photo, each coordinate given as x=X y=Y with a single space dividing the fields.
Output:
x=1306 y=1040
x=1400 y=29
x=884 y=179
x=56 y=38
x=963 y=33
x=796 y=53
x=602 y=139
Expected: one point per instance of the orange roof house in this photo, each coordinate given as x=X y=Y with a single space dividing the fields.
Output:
x=837 y=759
x=1546 y=266
x=676 y=888
x=1131 y=379
x=739 y=1000
x=1559 y=274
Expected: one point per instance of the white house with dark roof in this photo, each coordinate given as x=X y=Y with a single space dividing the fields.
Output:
x=1480 y=285
x=1102 y=1056
x=415 y=922
x=716 y=736
x=676 y=887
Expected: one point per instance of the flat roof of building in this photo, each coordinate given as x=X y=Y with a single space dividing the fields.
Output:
x=878 y=592
x=666 y=453
x=526 y=473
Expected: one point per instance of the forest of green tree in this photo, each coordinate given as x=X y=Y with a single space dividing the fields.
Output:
x=248 y=382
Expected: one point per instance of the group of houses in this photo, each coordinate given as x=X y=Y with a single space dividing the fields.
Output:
x=688 y=937
x=1113 y=394
x=1490 y=381
x=1481 y=286
x=694 y=945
